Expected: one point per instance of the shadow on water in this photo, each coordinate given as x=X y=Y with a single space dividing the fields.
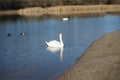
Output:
x=57 y=49
x=4 y=18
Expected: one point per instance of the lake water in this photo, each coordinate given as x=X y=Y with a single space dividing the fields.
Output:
x=26 y=57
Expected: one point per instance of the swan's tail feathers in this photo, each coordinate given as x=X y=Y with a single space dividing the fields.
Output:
x=46 y=42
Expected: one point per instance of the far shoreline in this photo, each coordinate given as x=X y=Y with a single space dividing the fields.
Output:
x=58 y=10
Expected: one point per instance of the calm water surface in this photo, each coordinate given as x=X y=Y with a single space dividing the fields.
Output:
x=26 y=57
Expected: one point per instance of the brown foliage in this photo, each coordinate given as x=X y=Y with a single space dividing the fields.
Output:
x=16 y=4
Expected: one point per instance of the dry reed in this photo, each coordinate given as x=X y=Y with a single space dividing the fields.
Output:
x=64 y=10
x=69 y=9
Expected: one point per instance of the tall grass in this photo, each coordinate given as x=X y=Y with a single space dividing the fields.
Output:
x=69 y=9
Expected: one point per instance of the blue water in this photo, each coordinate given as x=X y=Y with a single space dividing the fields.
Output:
x=26 y=57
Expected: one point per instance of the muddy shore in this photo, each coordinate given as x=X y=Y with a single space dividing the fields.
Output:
x=101 y=61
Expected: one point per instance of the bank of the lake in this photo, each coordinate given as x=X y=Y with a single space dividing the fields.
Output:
x=65 y=10
x=101 y=61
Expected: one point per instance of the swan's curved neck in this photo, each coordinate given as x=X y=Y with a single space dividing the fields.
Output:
x=61 y=41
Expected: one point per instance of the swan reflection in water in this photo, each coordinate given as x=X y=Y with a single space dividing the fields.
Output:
x=56 y=49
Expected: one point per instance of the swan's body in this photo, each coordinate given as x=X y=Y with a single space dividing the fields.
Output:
x=55 y=43
x=65 y=19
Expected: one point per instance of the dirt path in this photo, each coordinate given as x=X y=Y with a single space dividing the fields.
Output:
x=101 y=61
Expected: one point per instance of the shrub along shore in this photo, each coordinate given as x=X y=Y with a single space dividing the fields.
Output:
x=64 y=10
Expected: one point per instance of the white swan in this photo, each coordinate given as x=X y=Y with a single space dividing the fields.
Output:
x=55 y=43
x=65 y=19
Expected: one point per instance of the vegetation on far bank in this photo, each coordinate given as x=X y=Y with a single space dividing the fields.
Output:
x=18 y=4
x=70 y=9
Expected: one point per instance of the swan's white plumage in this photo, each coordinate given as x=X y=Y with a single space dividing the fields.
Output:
x=55 y=43
x=65 y=19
